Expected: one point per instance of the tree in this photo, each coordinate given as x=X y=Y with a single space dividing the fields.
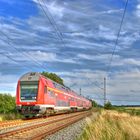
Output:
x=94 y=103
x=53 y=77
x=108 y=105
x=7 y=103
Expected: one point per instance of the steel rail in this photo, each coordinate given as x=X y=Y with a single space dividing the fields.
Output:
x=21 y=130
x=54 y=130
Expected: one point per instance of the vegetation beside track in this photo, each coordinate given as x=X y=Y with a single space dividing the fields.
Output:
x=112 y=125
x=132 y=110
x=7 y=108
x=10 y=116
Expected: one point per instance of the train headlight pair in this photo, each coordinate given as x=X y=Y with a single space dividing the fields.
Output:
x=22 y=97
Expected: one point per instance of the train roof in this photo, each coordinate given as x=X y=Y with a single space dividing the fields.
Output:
x=30 y=76
x=35 y=76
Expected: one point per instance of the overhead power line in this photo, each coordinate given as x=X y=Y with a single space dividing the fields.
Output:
x=51 y=20
x=118 y=35
x=95 y=83
x=9 y=57
x=9 y=42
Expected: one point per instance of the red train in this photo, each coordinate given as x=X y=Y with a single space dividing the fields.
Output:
x=38 y=95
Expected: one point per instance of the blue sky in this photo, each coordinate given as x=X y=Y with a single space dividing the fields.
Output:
x=29 y=42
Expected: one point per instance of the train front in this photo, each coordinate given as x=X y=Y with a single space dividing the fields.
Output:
x=27 y=94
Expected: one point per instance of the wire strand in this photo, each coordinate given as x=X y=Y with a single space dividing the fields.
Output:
x=118 y=35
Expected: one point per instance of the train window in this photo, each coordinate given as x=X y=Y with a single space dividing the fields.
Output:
x=54 y=85
x=45 y=89
x=28 y=91
x=51 y=93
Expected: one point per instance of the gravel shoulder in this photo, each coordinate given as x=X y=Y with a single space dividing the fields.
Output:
x=71 y=132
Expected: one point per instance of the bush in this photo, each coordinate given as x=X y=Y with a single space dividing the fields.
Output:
x=10 y=116
x=108 y=105
x=94 y=103
x=7 y=103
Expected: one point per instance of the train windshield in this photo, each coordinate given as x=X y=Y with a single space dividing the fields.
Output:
x=28 y=91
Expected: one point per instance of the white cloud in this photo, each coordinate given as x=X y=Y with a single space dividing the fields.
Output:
x=106 y=33
x=137 y=12
x=123 y=83
x=8 y=83
x=131 y=61
x=55 y=9
x=41 y=57
x=104 y=58
x=111 y=11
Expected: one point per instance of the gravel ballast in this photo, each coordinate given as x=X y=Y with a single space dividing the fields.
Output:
x=69 y=133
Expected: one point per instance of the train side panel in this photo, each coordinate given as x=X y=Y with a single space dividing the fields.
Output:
x=50 y=97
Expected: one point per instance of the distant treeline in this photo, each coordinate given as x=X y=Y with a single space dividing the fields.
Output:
x=7 y=103
x=126 y=105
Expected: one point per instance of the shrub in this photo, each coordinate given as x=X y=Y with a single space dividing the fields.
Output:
x=108 y=105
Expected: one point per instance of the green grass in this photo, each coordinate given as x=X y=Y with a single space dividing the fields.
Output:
x=130 y=110
x=10 y=116
x=112 y=125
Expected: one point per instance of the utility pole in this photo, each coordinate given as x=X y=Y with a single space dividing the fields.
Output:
x=104 y=91
x=80 y=91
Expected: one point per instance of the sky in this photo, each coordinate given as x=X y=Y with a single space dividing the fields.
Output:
x=74 y=39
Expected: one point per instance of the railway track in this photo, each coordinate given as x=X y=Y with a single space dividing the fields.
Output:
x=7 y=125
x=40 y=128
x=14 y=122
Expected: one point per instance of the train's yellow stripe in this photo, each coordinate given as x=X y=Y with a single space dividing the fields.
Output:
x=63 y=93
x=55 y=90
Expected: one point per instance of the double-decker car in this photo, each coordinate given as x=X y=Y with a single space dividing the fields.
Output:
x=37 y=95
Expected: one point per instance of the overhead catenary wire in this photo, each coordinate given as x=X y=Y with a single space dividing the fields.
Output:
x=95 y=83
x=98 y=94
x=9 y=57
x=9 y=42
x=116 y=43
x=118 y=35
x=51 y=20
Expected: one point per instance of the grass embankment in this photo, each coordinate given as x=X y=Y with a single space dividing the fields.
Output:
x=130 y=110
x=112 y=125
x=10 y=116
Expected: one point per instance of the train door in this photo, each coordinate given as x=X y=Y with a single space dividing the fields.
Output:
x=45 y=95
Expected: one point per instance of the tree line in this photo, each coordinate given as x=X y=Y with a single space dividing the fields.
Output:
x=7 y=103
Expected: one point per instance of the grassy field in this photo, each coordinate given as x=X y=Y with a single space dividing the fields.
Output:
x=10 y=116
x=112 y=125
x=137 y=108
x=130 y=110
